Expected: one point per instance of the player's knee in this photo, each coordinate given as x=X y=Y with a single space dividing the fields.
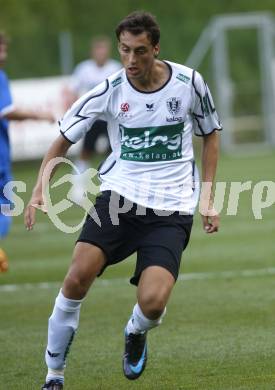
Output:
x=152 y=305
x=75 y=286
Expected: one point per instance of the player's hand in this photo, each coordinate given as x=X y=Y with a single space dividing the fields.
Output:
x=35 y=203
x=210 y=220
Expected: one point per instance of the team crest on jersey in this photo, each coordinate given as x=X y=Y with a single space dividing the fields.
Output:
x=174 y=105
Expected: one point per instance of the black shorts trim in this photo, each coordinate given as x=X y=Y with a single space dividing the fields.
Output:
x=91 y=242
x=158 y=262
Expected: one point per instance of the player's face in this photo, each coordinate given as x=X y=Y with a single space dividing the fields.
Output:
x=137 y=54
x=3 y=53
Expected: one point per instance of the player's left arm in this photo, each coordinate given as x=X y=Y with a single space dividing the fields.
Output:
x=206 y=125
x=210 y=154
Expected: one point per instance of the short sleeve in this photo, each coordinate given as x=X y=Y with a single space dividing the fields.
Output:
x=5 y=95
x=84 y=112
x=205 y=117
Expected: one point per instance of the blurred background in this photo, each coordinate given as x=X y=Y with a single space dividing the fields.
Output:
x=225 y=307
x=230 y=42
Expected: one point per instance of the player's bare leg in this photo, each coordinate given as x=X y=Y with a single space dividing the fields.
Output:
x=154 y=288
x=88 y=261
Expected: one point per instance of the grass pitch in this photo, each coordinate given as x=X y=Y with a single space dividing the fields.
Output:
x=219 y=332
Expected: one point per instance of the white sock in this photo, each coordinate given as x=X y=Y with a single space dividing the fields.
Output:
x=63 y=324
x=55 y=374
x=138 y=323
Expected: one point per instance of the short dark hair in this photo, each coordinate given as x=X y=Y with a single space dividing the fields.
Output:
x=138 y=22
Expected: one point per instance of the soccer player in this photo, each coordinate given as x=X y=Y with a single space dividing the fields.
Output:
x=87 y=75
x=9 y=112
x=149 y=187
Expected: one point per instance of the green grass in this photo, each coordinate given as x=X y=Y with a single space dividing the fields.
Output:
x=218 y=333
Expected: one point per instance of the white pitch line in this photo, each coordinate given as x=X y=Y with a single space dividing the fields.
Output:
x=182 y=277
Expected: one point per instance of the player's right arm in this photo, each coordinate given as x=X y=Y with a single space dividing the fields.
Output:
x=58 y=149
x=74 y=125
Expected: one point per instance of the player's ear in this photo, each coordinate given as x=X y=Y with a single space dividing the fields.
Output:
x=156 y=50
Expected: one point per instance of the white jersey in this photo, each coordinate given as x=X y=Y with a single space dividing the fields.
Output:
x=152 y=159
x=88 y=75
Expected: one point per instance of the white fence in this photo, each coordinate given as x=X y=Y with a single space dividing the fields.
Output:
x=215 y=37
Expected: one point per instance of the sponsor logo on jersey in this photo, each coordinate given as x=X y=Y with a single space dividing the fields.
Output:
x=150 y=107
x=124 y=113
x=124 y=107
x=174 y=119
x=148 y=144
x=116 y=81
x=174 y=105
x=183 y=78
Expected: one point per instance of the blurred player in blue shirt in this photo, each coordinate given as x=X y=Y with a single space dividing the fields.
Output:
x=5 y=107
x=9 y=112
